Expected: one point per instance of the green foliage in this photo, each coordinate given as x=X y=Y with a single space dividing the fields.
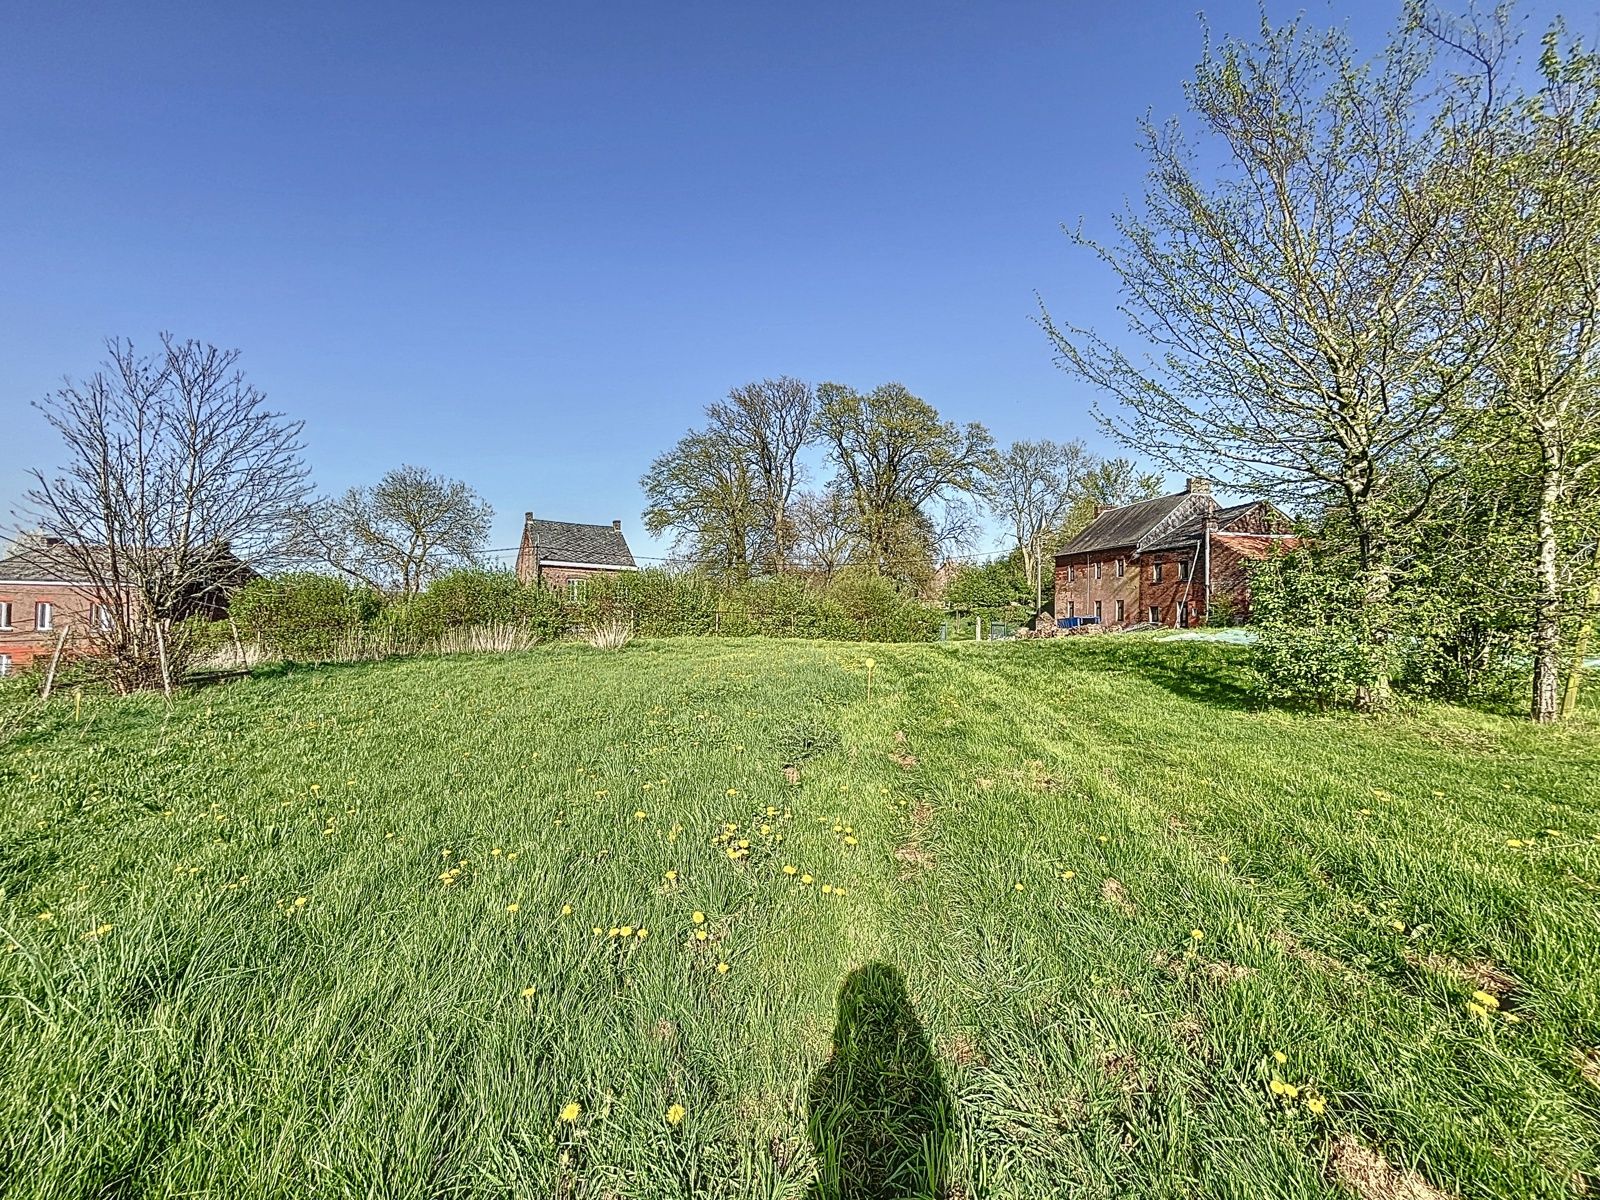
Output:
x=302 y=616
x=1001 y=584
x=467 y=598
x=1316 y=641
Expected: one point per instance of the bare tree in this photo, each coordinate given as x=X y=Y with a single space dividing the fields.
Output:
x=701 y=492
x=767 y=424
x=1032 y=486
x=398 y=534
x=824 y=531
x=1290 y=303
x=176 y=476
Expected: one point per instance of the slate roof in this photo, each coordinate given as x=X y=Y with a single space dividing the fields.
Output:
x=1124 y=526
x=588 y=545
x=41 y=564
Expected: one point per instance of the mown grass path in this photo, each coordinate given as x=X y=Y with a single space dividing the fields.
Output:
x=1054 y=909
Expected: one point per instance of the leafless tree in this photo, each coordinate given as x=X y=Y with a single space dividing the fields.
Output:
x=400 y=533
x=767 y=424
x=1032 y=486
x=177 y=475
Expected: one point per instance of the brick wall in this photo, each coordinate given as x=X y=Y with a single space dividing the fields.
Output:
x=1077 y=596
x=557 y=578
x=24 y=641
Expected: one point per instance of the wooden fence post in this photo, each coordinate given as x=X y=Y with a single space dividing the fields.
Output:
x=50 y=675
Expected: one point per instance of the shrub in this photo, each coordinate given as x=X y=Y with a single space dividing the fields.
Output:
x=302 y=616
x=474 y=599
x=1315 y=640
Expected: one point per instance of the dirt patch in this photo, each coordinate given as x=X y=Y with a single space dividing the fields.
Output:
x=666 y=1032
x=791 y=774
x=1481 y=974
x=1315 y=959
x=960 y=1049
x=1114 y=894
x=1183 y=966
x=1120 y=1066
x=1588 y=1064
x=1190 y=1031
x=904 y=761
x=1371 y=1176
x=921 y=814
x=899 y=737
x=1218 y=971
x=913 y=859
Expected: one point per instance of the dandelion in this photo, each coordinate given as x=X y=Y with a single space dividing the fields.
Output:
x=788 y=870
x=698 y=917
x=1197 y=934
x=671 y=877
x=700 y=935
x=806 y=879
x=643 y=932
x=566 y=910
x=723 y=968
x=1102 y=838
x=1487 y=1000
x=1478 y=1011
x=46 y=916
x=640 y=815
x=849 y=841
x=1317 y=1105
x=1016 y=887
x=1397 y=926
x=528 y=991
x=625 y=931
x=1069 y=874
x=570 y=1111
x=300 y=902
x=827 y=889
x=1279 y=1057
x=496 y=852
x=676 y=1113
x=613 y=931
x=511 y=908
x=598 y=931
x=733 y=791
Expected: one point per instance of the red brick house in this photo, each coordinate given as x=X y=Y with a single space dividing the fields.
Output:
x=1171 y=561
x=42 y=591
x=562 y=554
x=45 y=589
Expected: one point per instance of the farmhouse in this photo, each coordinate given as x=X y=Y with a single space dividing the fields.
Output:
x=562 y=554
x=1176 y=560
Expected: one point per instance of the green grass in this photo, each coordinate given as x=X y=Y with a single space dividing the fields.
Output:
x=981 y=1013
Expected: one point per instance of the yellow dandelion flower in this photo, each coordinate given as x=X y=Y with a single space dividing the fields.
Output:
x=513 y=907
x=733 y=791
x=1398 y=926
x=850 y=841
x=1197 y=934
x=1069 y=874
x=723 y=968
x=570 y=1111
x=566 y=910
x=643 y=932
x=700 y=935
x=698 y=917
x=598 y=931
x=671 y=876
x=46 y=916
x=640 y=815
x=827 y=889
x=838 y=828
x=1486 y=999
x=787 y=870
x=625 y=931
x=1317 y=1105
x=613 y=931
x=733 y=852
x=1478 y=1011
x=300 y=901
x=496 y=852
x=528 y=991
x=805 y=879
x=676 y=1113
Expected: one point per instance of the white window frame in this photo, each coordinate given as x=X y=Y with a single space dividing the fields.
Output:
x=1072 y=609
x=1122 y=567
x=100 y=616
x=5 y=664
x=576 y=587
x=44 y=615
x=1122 y=611
x=1155 y=571
x=1155 y=614
x=1099 y=614
x=5 y=614
x=1072 y=573
x=1097 y=567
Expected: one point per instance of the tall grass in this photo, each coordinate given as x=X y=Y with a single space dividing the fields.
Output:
x=357 y=929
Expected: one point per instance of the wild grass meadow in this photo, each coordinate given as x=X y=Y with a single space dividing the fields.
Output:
x=782 y=918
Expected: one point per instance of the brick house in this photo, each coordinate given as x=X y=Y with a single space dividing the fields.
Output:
x=42 y=591
x=45 y=589
x=562 y=554
x=1168 y=561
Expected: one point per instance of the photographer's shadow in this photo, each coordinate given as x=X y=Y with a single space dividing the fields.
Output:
x=880 y=1116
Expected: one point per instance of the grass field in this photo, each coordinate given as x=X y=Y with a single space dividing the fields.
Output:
x=752 y=918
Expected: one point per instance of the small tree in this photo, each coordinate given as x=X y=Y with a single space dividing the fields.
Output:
x=409 y=528
x=1033 y=486
x=176 y=475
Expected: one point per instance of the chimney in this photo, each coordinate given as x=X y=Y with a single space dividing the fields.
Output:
x=617 y=525
x=1198 y=486
x=527 y=518
x=1098 y=510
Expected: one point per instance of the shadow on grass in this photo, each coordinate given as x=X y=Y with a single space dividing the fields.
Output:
x=1207 y=673
x=879 y=1113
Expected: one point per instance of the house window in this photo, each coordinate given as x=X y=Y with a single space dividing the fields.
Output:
x=5 y=614
x=44 y=615
x=1072 y=609
x=101 y=615
x=5 y=664
x=575 y=589
x=1122 y=568
x=1155 y=614
x=1121 y=612
x=1072 y=573
x=1097 y=607
x=1183 y=612
x=1183 y=568
x=1155 y=572
x=1097 y=567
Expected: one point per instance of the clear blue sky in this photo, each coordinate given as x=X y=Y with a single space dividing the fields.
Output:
x=523 y=245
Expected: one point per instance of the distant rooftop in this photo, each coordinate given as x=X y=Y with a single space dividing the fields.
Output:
x=579 y=544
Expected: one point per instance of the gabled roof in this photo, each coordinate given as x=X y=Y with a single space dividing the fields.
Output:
x=1125 y=526
x=41 y=564
x=581 y=545
x=1193 y=525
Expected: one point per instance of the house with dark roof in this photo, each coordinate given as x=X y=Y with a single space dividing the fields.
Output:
x=562 y=554
x=45 y=588
x=1174 y=560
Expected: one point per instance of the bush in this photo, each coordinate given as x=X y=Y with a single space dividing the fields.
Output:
x=302 y=616
x=1314 y=638
x=476 y=599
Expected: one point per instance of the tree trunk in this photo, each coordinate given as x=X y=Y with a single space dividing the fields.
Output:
x=1547 y=595
x=1376 y=695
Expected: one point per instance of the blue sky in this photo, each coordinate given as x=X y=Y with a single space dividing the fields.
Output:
x=523 y=245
